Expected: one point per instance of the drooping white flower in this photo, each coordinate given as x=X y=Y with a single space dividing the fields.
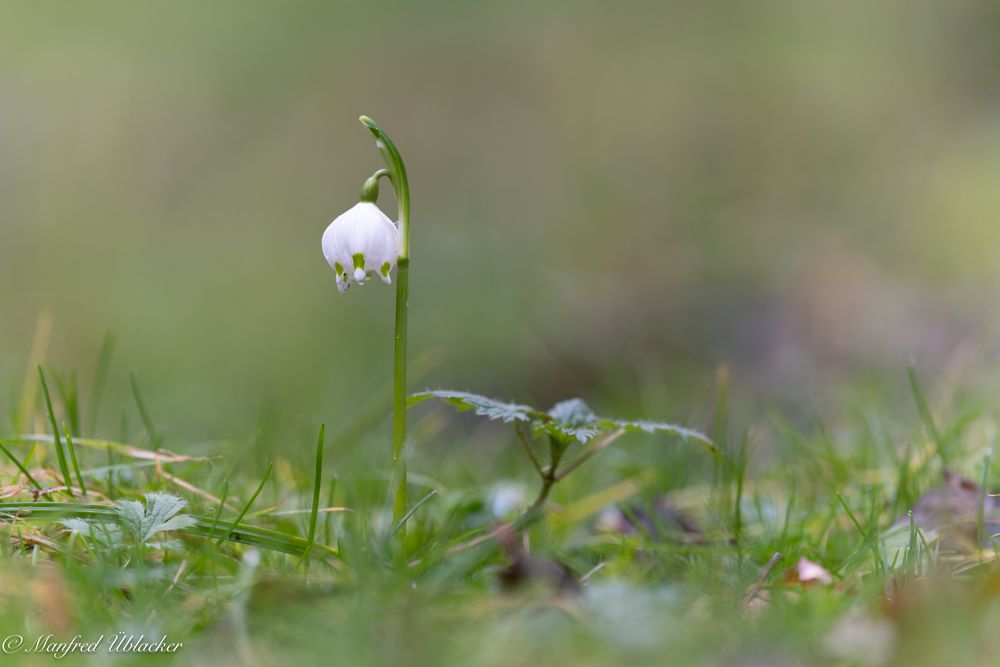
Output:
x=360 y=242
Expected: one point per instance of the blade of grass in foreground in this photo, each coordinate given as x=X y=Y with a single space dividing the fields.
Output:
x=246 y=508
x=60 y=455
x=317 y=482
x=406 y=517
x=20 y=466
x=147 y=421
x=925 y=414
x=868 y=538
x=72 y=458
x=69 y=394
x=314 y=512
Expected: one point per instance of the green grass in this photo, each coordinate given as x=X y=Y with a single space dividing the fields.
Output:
x=229 y=583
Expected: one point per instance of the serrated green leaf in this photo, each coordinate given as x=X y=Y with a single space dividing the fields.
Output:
x=573 y=412
x=484 y=406
x=564 y=433
x=161 y=513
x=659 y=427
x=571 y=419
x=568 y=420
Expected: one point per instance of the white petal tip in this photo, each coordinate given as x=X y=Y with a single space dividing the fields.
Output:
x=359 y=275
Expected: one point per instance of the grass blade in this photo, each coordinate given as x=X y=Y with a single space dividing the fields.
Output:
x=406 y=517
x=72 y=458
x=925 y=414
x=246 y=508
x=60 y=455
x=317 y=482
x=868 y=538
x=147 y=421
x=22 y=468
x=70 y=396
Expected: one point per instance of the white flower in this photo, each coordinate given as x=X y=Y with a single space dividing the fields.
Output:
x=360 y=242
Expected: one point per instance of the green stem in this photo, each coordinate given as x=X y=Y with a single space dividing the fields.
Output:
x=401 y=184
x=550 y=475
x=399 y=387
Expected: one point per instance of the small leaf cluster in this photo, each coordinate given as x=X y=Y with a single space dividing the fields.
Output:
x=137 y=523
x=568 y=421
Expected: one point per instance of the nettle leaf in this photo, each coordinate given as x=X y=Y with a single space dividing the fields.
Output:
x=161 y=513
x=571 y=420
x=485 y=407
x=567 y=421
x=573 y=412
x=686 y=434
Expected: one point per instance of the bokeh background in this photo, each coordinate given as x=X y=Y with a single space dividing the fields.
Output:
x=610 y=200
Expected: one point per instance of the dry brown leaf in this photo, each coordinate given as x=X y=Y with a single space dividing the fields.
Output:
x=10 y=491
x=950 y=513
x=808 y=573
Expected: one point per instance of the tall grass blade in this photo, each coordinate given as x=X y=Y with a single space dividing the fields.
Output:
x=246 y=508
x=70 y=396
x=60 y=455
x=72 y=458
x=317 y=484
x=406 y=517
x=20 y=466
x=925 y=414
x=147 y=421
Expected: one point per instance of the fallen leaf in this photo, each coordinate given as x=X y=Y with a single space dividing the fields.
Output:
x=950 y=514
x=808 y=573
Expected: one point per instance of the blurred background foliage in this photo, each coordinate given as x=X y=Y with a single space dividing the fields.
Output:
x=610 y=199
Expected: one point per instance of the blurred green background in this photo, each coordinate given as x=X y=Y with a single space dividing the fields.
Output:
x=610 y=199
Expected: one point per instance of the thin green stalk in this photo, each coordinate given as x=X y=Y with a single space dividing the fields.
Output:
x=20 y=466
x=406 y=517
x=222 y=504
x=72 y=458
x=399 y=388
x=246 y=508
x=550 y=475
x=927 y=416
x=523 y=439
x=401 y=184
x=147 y=421
x=109 y=480
x=60 y=455
x=70 y=396
x=868 y=538
x=317 y=482
x=591 y=452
